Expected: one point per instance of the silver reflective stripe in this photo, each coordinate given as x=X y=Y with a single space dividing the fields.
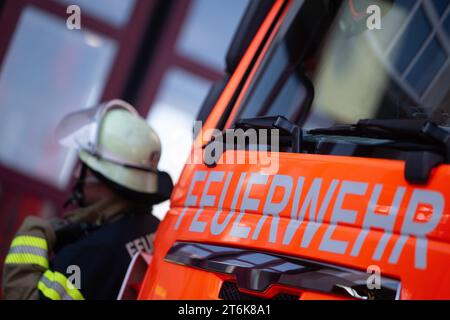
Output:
x=57 y=287
x=29 y=250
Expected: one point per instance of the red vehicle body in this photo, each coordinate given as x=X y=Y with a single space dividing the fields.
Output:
x=328 y=218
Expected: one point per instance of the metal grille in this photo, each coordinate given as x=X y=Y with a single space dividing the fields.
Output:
x=230 y=291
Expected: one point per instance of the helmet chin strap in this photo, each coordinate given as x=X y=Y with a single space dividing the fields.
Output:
x=77 y=196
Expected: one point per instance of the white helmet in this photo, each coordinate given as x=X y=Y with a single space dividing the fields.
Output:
x=114 y=141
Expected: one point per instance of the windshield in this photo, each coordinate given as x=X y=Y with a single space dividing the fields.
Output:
x=361 y=67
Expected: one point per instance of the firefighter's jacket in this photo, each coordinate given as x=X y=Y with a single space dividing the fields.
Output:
x=92 y=267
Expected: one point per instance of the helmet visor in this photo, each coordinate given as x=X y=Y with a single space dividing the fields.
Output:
x=80 y=129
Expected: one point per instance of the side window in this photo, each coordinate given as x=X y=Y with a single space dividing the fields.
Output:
x=280 y=91
x=280 y=86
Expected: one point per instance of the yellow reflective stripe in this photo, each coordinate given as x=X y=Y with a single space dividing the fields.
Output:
x=26 y=258
x=52 y=282
x=71 y=290
x=29 y=241
x=48 y=292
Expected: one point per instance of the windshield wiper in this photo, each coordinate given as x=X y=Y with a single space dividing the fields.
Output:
x=419 y=163
x=289 y=134
x=287 y=129
x=407 y=130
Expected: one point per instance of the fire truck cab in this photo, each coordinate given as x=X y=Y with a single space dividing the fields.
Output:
x=320 y=168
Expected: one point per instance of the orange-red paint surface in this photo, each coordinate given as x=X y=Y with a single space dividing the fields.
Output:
x=430 y=283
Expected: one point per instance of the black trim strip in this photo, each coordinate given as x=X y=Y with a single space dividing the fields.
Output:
x=256 y=271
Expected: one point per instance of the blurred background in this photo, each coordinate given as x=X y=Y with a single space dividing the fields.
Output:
x=162 y=56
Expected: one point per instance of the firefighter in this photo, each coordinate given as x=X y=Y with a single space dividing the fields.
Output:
x=85 y=254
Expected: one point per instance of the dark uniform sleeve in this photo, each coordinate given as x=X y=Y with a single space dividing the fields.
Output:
x=77 y=270
x=94 y=267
